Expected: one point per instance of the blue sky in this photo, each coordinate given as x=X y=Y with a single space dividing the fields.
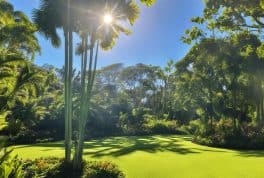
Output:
x=155 y=38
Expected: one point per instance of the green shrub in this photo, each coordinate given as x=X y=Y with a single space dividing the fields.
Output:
x=194 y=126
x=153 y=125
x=57 y=168
x=141 y=122
x=223 y=134
x=102 y=170
x=41 y=167
x=10 y=167
x=25 y=136
x=132 y=122
x=3 y=141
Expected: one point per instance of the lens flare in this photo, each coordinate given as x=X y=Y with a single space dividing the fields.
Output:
x=108 y=18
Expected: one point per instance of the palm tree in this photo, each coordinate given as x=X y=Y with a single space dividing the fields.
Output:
x=17 y=31
x=17 y=44
x=92 y=27
x=85 y=18
x=49 y=18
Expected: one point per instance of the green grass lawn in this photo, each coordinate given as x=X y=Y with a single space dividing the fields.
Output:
x=161 y=157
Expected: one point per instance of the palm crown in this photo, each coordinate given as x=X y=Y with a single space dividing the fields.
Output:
x=17 y=31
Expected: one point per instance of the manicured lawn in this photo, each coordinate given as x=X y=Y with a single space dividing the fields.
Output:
x=162 y=157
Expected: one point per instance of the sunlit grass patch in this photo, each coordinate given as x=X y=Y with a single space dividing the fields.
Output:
x=161 y=157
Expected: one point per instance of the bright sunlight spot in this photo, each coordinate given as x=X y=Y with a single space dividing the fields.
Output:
x=108 y=18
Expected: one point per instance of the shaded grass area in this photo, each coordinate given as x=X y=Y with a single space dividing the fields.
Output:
x=161 y=157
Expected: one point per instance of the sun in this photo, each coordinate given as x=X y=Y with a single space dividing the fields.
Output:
x=108 y=18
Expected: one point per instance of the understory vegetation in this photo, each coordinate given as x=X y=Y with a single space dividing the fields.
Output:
x=52 y=167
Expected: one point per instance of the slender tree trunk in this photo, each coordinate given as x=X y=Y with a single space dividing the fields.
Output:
x=95 y=65
x=261 y=109
x=66 y=93
x=234 y=111
x=85 y=105
x=234 y=98
x=68 y=84
x=211 y=106
x=70 y=89
x=258 y=112
x=90 y=66
x=85 y=108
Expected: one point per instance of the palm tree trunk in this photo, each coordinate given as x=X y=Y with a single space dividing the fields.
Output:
x=70 y=90
x=95 y=65
x=85 y=107
x=66 y=93
x=83 y=113
x=90 y=66
x=68 y=78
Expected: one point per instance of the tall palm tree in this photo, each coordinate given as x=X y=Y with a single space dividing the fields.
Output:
x=92 y=27
x=50 y=17
x=85 y=18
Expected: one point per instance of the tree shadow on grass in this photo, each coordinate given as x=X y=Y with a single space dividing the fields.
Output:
x=52 y=145
x=122 y=146
x=251 y=153
x=119 y=146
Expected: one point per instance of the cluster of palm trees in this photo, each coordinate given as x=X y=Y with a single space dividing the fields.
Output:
x=85 y=18
x=17 y=43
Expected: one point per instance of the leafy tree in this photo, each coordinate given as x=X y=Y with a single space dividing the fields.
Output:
x=217 y=75
x=235 y=15
x=139 y=81
x=245 y=24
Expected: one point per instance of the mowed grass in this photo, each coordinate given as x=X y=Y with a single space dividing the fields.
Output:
x=161 y=157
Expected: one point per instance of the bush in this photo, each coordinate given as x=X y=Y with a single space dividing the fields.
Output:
x=3 y=141
x=102 y=170
x=41 y=167
x=153 y=125
x=140 y=122
x=57 y=168
x=10 y=167
x=193 y=127
x=29 y=136
x=132 y=122
x=25 y=136
x=223 y=134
